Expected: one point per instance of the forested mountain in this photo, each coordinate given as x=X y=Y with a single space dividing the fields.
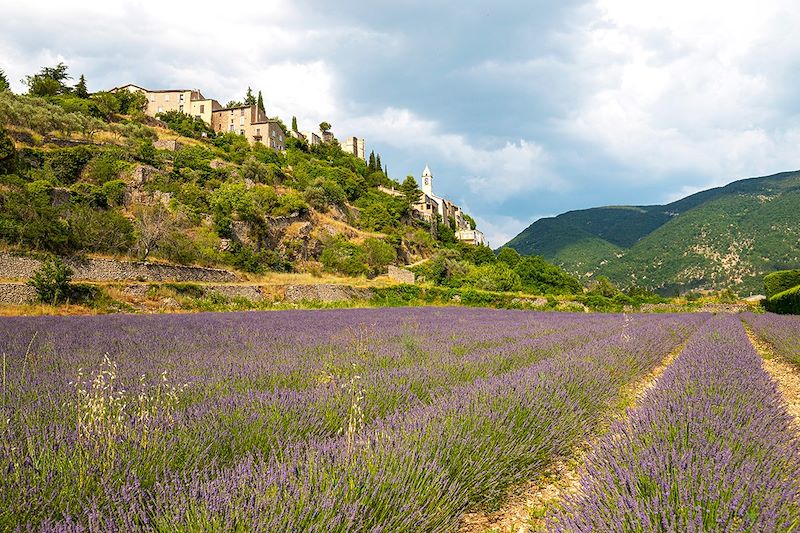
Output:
x=723 y=237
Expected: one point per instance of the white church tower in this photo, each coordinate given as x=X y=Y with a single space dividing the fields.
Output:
x=427 y=181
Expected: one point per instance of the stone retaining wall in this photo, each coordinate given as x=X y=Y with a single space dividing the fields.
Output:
x=13 y=267
x=401 y=274
x=325 y=293
x=16 y=293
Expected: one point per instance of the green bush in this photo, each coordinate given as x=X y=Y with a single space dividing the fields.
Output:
x=378 y=254
x=780 y=281
x=786 y=302
x=52 y=281
x=344 y=257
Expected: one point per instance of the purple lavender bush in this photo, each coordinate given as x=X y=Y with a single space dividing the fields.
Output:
x=781 y=331
x=393 y=419
x=710 y=449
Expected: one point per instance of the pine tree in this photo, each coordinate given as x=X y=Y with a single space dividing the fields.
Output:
x=4 y=86
x=80 y=88
x=249 y=99
x=261 y=103
x=294 y=124
x=371 y=164
x=378 y=166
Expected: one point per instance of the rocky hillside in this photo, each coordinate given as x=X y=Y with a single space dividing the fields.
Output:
x=94 y=176
x=723 y=237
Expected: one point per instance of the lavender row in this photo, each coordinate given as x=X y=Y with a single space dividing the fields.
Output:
x=228 y=426
x=416 y=470
x=781 y=331
x=710 y=449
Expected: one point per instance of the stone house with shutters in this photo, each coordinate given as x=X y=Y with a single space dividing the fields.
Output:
x=189 y=101
x=251 y=122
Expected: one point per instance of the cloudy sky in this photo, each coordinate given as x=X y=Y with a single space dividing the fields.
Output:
x=522 y=109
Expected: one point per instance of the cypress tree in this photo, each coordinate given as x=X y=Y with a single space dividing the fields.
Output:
x=371 y=164
x=249 y=99
x=80 y=88
x=261 y=102
x=378 y=166
x=294 y=124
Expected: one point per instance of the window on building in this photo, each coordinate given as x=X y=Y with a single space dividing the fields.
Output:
x=258 y=132
x=273 y=134
x=180 y=97
x=202 y=108
x=242 y=110
x=241 y=121
x=231 y=129
x=166 y=98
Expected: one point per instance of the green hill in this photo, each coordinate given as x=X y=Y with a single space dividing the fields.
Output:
x=723 y=237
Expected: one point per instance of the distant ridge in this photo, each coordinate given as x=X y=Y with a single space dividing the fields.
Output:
x=722 y=237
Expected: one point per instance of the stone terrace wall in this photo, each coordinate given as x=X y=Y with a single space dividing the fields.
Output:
x=16 y=293
x=13 y=267
x=326 y=293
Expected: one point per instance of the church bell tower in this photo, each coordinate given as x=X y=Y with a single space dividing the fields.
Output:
x=427 y=181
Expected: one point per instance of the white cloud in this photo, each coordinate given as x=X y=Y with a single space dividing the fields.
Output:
x=495 y=173
x=675 y=88
x=501 y=229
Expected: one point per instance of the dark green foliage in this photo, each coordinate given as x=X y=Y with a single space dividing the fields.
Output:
x=7 y=152
x=52 y=281
x=249 y=99
x=93 y=230
x=50 y=81
x=28 y=219
x=67 y=164
x=378 y=254
x=470 y=221
x=294 y=123
x=260 y=102
x=540 y=277
x=80 y=88
x=509 y=256
x=185 y=124
x=786 y=302
x=324 y=127
x=602 y=286
x=410 y=190
x=780 y=281
x=4 y=85
x=496 y=277
x=344 y=257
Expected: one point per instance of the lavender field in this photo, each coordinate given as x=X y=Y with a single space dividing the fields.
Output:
x=380 y=420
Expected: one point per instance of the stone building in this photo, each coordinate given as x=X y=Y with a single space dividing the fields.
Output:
x=251 y=122
x=430 y=205
x=189 y=101
x=355 y=146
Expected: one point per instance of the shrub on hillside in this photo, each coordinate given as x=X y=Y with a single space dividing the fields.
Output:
x=378 y=254
x=344 y=257
x=52 y=281
x=498 y=277
x=780 y=281
x=786 y=302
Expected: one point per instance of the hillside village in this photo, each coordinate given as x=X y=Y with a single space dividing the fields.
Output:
x=252 y=122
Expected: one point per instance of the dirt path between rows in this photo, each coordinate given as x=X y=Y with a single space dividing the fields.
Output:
x=786 y=375
x=526 y=507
